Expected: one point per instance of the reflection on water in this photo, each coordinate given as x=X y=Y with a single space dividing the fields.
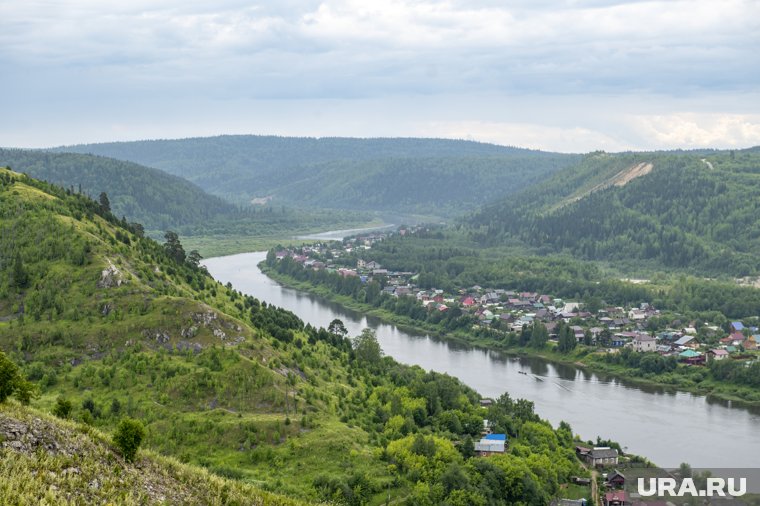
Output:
x=668 y=427
x=338 y=235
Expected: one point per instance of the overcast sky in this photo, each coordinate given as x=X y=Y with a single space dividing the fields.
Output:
x=568 y=75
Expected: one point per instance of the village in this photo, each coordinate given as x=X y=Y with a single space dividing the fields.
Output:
x=608 y=328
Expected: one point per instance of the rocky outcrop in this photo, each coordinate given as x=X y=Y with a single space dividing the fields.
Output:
x=30 y=437
x=110 y=277
x=160 y=336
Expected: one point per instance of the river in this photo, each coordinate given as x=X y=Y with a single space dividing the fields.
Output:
x=667 y=427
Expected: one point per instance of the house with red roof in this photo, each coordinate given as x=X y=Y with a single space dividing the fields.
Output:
x=735 y=339
x=467 y=301
x=616 y=498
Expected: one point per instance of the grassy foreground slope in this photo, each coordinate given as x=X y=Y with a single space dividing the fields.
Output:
x=122 y=326
x=48 y=461
x=438 y=177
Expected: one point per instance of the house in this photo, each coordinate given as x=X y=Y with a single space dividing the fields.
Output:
x=691 y=357
x=569 y=502
x=687 y=342
x=617 y=341
x=491 y=444
x=616 y=479
x=486 y=315
x=602 y=456
x=717 y=354
x=402 y=291
x=737 y=326
x=582 y=452
x=663 y=349
x=489 y=298
x=736 y=338
x=616 y=498
x=467 y=301
x=643 y=342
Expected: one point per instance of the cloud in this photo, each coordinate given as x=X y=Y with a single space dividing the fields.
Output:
x=690 y=130
x=570 y=46
x=144 y=56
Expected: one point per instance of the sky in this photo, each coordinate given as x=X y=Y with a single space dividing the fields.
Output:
x=559 y=75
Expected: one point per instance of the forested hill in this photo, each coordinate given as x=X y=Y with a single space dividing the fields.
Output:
x=427 y=176
x=158 y=200
x=694 y=210
x=109 y=324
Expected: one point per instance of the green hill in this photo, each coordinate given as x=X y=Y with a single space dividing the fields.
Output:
x=420 y=176
x=160 y=201
x=695 y=211
x=154 y=198
x=46 y=460
x=120 y=325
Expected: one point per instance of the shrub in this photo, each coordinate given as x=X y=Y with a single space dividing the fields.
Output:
x=62 y=408
x=12 y=382
x=129 y=434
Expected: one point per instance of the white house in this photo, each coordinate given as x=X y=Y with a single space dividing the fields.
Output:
x=643 y=342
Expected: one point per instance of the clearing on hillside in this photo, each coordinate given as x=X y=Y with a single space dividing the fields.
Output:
x=622 y=178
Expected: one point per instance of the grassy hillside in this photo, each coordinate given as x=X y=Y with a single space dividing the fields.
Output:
x=152 y=197
x=419 y=176
x=161 y=201
x=119 y=325
x=692 y=211
x=46 y=460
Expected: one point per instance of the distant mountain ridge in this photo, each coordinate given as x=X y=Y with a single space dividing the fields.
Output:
x=691 y=210
x=426 y=176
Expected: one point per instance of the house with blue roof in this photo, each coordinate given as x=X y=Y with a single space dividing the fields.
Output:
x=491 y=444
x=737 y=326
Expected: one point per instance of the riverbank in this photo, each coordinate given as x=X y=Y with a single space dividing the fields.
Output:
x=216 y=245
x=582 y=357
